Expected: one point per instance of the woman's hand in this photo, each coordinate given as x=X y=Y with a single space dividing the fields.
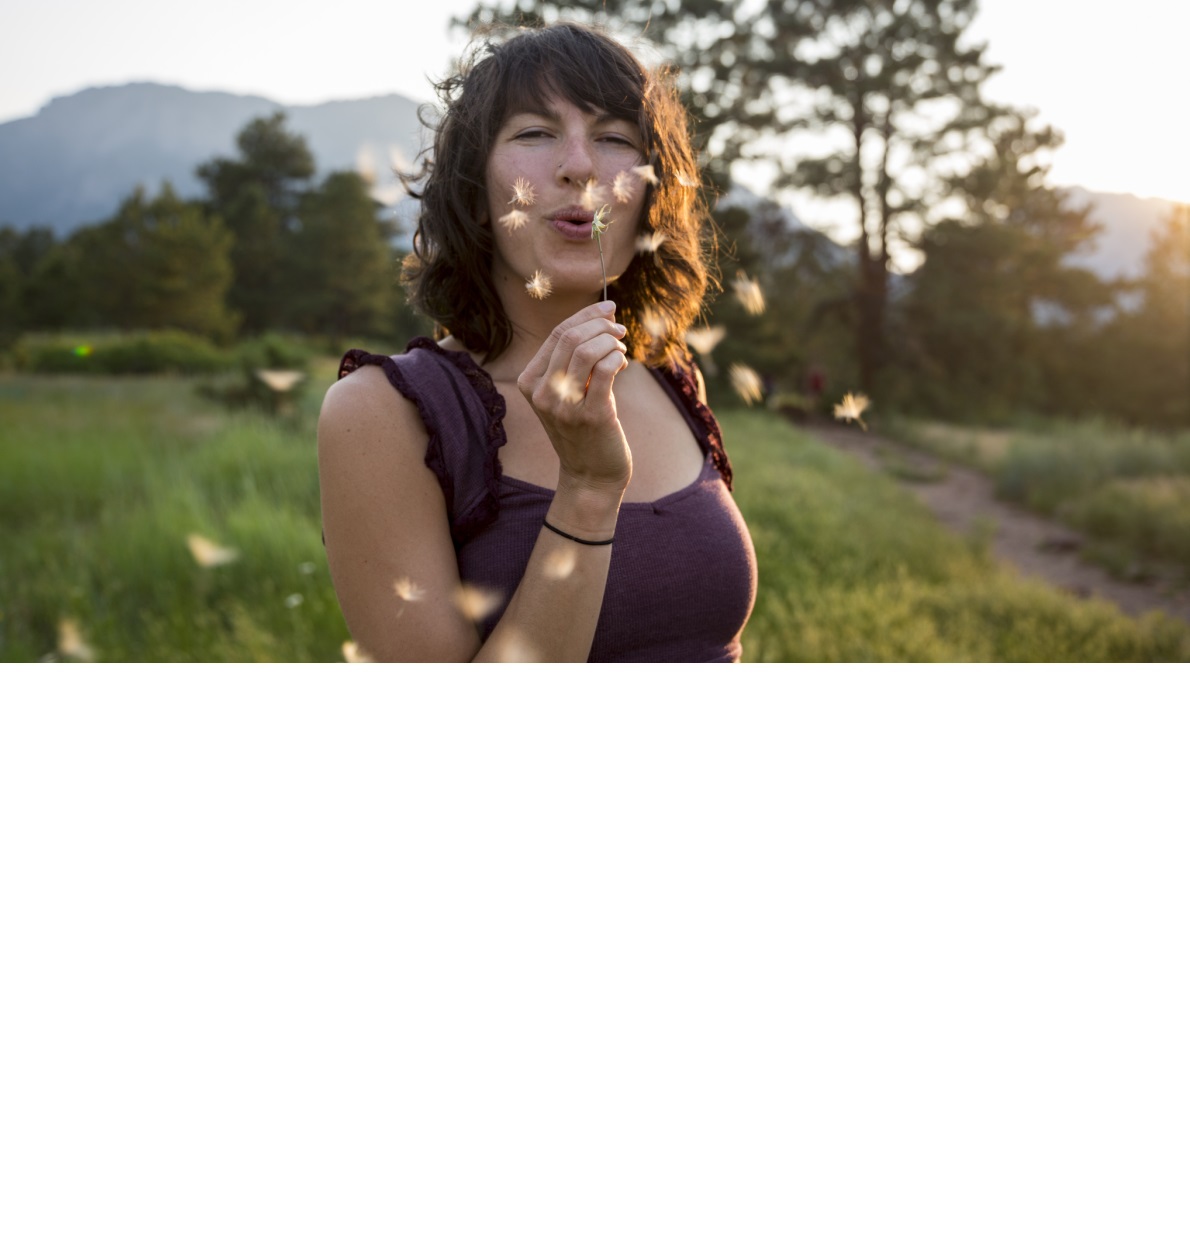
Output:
x=569 y=385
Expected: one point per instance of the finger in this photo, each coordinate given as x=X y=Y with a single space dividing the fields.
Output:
x=587 y=356
x=599 y=388
x=566 y=336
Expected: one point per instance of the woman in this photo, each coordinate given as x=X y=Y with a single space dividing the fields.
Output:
x=544 y=481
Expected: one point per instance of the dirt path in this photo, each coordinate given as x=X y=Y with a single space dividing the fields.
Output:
x=964 y=500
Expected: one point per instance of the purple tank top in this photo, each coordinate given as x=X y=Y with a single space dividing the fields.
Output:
x=682 y=578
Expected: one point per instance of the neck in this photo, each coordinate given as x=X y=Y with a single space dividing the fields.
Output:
x=532 y=321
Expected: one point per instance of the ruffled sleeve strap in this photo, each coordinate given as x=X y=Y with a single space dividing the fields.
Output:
x=463 y=414
x=683 y=383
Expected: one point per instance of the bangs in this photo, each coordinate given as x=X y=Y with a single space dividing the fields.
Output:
x=583 y=71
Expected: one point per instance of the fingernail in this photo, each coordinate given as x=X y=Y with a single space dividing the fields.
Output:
x=606 y=305
x=618 y=329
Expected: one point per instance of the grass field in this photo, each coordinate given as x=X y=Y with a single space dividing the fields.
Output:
x=1128 y=490
x=103 y=480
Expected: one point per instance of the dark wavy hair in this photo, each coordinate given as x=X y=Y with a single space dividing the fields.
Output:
x=448 y=273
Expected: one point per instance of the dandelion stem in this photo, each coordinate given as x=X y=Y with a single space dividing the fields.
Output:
x=598 y=228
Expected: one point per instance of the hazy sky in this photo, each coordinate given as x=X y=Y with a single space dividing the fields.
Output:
x=1115 y=90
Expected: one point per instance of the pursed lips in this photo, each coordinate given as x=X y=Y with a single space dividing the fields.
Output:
x=572 y=222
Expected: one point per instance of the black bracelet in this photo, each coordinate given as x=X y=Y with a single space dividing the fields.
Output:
x=587 y=542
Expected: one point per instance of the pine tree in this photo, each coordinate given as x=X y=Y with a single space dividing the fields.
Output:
x=257 y=196
x=894 y=90
x=347 y=272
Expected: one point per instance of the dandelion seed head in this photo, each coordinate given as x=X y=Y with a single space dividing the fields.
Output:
x=559 y=564
x=647 y=173
x=353 y=653
x=704 y=339
x=601 y=221
x=408 y=591
x=476 y=603
x=71 y=643
x=746 y=383
x=622 y=187
x=567 y=388
x=208 y=554
x=523 y=194
x=749 y=294
x=540 y=286
x=514 y=221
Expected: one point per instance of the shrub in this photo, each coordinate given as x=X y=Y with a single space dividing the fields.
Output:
x=148 y=353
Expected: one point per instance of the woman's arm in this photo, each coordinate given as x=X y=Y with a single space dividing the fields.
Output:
x=388 y=534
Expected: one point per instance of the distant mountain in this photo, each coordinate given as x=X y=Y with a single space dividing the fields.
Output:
x=1128 y=223
x=74 y=161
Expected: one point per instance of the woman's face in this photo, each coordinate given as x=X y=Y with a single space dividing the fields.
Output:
x=554 y=169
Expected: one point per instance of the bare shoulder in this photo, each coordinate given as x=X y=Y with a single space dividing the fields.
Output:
x=366 y=402
x=385 y=522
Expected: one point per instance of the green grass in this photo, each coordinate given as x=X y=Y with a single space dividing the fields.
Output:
x=853 y=568
x=1127 y=490
x=103 y=479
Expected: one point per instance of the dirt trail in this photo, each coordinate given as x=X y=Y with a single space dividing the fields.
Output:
x=965 y=501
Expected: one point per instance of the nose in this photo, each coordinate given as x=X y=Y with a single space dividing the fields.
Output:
x=577 y=163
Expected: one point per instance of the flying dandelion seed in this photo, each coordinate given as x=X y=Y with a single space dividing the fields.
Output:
x=560 y=564
x=408 y=591
x=647 y=173
x=280 y=381
x=71 y=644
x=352 y=653
x=567 y=388
x=307 y=568
x=592 y=193
x=746 y=383
x=397 y=160
x=650 y=243
x=294 y=600
x=208 y=554
x=704 y=339
x=655 y=325
x=475 y=603
x=540 y=286
x=514 y=221
x=851 y=408
x=622 y=187
x=523 y=194
x=511 y=647
x=749 y=294
x=687 y=182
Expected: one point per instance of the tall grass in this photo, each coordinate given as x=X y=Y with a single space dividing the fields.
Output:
x=854 y=568
x=102 y=483
x=1127 y=489
x=102 y=480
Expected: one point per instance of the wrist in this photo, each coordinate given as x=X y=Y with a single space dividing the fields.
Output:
x=584 y=511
